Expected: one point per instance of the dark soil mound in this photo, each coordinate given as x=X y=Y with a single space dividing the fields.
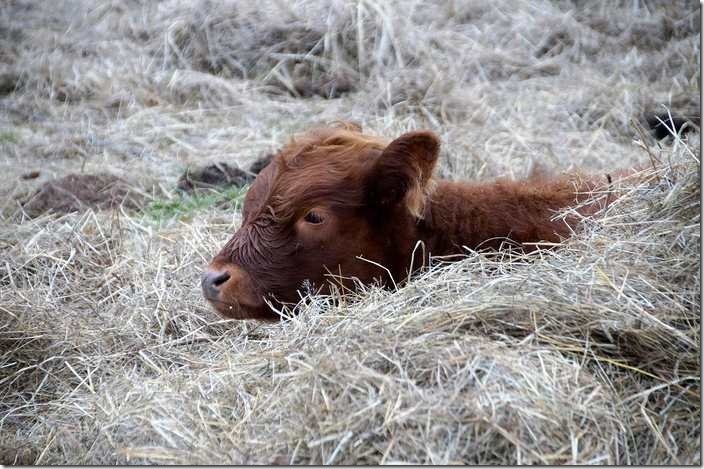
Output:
x=9 y=82
x=213 y=176
x=261 y=163
x=662 y=124
x=220 y=175
x=77 y=192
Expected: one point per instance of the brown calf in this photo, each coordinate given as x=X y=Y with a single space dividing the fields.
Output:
x=335 y=205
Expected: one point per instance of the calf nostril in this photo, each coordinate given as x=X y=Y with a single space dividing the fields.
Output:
x=220 y=279
x=212 y=281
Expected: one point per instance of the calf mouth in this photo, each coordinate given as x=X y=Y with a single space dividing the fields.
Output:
x=232 y=309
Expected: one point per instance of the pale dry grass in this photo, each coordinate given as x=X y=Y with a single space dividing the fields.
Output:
x=586 y=353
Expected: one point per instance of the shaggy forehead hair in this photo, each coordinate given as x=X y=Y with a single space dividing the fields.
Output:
x=326 y=165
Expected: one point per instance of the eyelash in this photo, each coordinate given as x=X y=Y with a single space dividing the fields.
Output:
x=313 y=218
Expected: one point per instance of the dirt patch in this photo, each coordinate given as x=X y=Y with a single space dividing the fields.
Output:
x=22 y=456
x=77 y=192
x=221 y=175
x=261 y=163
x=662 y=125
x=30 y=175
x=213 y=176
x=9 y=82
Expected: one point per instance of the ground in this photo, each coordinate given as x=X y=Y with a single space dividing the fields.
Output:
x=585 y=353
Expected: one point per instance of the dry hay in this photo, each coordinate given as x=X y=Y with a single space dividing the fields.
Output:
x=587 y=353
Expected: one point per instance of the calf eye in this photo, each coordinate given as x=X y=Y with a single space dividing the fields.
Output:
x=313 y=218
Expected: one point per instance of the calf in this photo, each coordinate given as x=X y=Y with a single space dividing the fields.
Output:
x=336 y=205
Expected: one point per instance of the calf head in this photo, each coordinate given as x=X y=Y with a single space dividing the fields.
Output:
x=333 y=206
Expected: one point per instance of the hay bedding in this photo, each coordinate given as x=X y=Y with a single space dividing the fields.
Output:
x=588 y=353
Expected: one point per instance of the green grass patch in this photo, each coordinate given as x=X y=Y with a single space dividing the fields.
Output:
x=185 y=205
x=7 y=136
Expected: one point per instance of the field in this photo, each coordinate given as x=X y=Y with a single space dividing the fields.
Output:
x=585 y=353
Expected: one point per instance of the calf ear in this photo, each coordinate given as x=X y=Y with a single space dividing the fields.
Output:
x=403 y=172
